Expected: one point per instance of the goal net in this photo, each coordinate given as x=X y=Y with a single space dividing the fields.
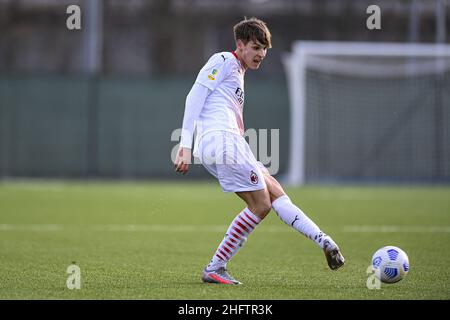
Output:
x=368 y=112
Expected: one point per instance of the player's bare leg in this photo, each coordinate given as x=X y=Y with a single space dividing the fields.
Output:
x=290 y=214
x=258 y=202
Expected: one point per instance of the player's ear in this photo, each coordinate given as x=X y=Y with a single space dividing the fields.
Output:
x=239 y=44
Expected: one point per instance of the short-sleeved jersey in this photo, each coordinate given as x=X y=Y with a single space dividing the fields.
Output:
x=223 y=108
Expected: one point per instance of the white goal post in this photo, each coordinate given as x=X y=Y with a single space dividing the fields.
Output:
x=332 y=61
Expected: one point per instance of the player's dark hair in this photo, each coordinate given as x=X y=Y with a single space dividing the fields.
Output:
x=253 y=29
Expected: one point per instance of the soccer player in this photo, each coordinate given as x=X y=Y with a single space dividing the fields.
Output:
x=214 y=106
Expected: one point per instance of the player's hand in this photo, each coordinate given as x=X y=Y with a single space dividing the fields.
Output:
x=183 y=160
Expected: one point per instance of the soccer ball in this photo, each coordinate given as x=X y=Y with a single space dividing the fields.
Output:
x=391 y=264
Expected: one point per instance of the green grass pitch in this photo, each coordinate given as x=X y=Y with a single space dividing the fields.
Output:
x=151 y=241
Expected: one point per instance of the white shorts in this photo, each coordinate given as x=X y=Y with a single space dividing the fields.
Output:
x=228 y=157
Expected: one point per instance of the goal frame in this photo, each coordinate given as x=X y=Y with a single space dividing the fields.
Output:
x=295 y=64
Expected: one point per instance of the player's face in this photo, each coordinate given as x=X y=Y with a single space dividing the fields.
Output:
x=252 y=54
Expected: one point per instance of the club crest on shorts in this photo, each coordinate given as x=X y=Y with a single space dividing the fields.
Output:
x=253 y=177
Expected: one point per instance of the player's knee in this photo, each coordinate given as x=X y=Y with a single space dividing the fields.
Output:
x=266 y=207
x=263 y=207
x=274 y=187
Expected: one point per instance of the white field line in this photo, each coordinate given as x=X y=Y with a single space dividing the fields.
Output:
x=126 y=228
x=41 y=185
x=397 y=229
x=212 y=228
x=31 y=227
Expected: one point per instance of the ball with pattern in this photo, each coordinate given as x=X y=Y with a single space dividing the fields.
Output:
x=391 y=264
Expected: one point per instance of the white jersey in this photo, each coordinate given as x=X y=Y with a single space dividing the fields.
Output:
x=215 y=103
x=223 y=108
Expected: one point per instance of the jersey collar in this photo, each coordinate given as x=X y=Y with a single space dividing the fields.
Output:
x=239 y=61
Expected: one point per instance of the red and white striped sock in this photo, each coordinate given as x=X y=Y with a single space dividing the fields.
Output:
x=236 y=235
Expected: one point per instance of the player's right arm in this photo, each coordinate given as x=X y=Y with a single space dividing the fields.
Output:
x=195 y=101
x=209 y=77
